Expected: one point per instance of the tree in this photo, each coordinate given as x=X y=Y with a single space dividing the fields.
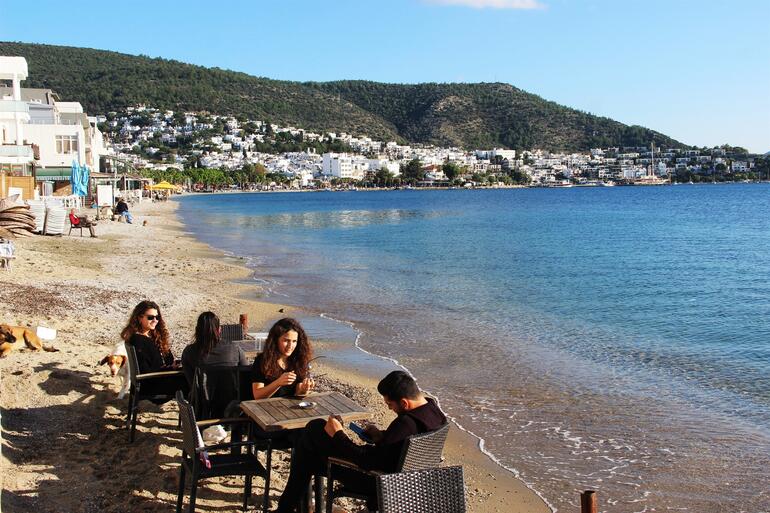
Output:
x=412 y=171
x=451 y=170
x=383 y=177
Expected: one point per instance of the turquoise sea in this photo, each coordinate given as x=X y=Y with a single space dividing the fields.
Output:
x=615 y=339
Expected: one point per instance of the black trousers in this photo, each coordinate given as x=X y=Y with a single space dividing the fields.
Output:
x=166 y=385
x=311 y=451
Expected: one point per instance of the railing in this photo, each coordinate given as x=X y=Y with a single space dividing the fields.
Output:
x=63 y=201
x=16 y=151
x=14 y=106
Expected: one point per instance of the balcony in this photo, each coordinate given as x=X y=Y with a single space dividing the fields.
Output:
x=11 y=109
x=12 y=154
x=14 y=106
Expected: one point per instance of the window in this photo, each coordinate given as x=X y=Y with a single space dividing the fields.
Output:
x=66 y=144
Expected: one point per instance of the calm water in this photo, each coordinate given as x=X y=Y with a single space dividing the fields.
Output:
x=614 y=339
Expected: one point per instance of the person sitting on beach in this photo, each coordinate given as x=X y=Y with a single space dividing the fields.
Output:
x=282 y=368
x=122 y=210
x=323 y=439
x=146 y=331
x=82 y=222
x=208 y=349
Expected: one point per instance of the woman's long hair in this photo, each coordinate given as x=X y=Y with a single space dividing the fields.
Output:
x=206 y=334
x=299 y=359
x=159 y=335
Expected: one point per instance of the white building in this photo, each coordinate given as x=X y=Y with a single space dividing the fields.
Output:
x=342 y=165
x=16 y=155
x=59 y=131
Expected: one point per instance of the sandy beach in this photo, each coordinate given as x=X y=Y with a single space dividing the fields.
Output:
x=65 y=447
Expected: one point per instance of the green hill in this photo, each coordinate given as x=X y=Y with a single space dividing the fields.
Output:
x=465 y=115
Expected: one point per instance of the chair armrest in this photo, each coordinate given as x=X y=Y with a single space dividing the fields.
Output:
x=349 y=464
x=150 y=375
x=265 y=444
x=224 y=421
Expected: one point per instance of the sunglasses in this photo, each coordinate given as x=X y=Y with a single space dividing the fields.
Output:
x=152 y=317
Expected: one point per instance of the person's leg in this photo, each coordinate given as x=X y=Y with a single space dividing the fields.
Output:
x=308 y=458
x=129 y=218
x=91 y=229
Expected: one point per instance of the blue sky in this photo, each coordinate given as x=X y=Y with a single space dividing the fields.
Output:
x=698 y=71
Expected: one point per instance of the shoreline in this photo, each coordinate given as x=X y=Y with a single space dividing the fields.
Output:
x=60 y=415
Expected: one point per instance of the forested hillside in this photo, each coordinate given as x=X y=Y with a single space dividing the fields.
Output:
x=465 y=115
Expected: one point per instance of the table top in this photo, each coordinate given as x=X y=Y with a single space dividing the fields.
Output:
x=278 y=413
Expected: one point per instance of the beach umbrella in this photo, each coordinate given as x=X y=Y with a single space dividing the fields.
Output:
x=163 y=186
x=83 y=185
x=74 y=176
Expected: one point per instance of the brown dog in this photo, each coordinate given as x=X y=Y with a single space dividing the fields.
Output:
x=12 y=337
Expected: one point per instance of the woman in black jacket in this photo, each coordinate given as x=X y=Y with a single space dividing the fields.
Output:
x=146 y=331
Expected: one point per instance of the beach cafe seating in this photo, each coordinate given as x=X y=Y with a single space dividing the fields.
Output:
x=135 y=391
x=200 y=462
x=231 y=332
x=214 y=388
x=433 y=490
x=420 y=452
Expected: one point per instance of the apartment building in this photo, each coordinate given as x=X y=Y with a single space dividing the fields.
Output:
x=59 y=131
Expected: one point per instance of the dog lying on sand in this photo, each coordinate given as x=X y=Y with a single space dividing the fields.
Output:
x=14 y=337
x=117 y=363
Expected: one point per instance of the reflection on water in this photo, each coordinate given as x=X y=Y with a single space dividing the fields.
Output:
x=320 y=220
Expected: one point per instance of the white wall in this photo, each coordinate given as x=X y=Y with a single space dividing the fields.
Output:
x=45 y=137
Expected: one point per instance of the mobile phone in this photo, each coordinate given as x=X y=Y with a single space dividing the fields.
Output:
x=360 y=432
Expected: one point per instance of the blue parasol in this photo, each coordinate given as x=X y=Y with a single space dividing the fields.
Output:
x=74 y=176
x=79 y=179
x=83 y=185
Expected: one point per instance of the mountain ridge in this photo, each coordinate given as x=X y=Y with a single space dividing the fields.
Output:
x=467 y=115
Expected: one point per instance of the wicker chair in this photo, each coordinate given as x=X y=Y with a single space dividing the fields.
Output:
x=231 y=332
x=135 y=391
x=215 y=387
x=434 y=490
x=420 y=452
x=199 y=462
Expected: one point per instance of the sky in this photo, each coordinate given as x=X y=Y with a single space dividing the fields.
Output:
x=698 y=71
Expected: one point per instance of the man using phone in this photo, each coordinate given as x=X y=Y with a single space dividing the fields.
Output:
x=415 y=414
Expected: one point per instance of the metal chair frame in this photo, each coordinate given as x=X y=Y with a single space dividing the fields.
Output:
x=135 y=391
x=199 y=462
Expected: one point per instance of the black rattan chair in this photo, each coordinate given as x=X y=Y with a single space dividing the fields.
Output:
x=214 y=388
x=199 y=462
x=231 y=332
x=420 y=452
x=135 y=391
x=434 y=490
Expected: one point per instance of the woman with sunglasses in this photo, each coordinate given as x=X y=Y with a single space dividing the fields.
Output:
x=146 y=331
x=282 y=368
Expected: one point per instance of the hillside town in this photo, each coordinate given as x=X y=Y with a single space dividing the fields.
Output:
x=43 y=136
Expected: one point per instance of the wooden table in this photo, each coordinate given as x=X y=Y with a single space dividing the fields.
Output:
x=279 y=413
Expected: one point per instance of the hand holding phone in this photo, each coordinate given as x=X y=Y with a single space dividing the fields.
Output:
x=360 y=432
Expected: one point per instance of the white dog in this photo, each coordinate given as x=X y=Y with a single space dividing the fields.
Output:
x=117 y=362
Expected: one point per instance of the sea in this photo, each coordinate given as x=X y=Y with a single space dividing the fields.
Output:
x=612 y=339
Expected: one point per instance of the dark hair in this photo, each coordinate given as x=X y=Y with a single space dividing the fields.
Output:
x=159 y=335
x=299 y=359
x=206 y=333
x=398 y=385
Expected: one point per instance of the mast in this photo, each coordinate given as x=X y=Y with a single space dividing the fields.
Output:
x=652 y=173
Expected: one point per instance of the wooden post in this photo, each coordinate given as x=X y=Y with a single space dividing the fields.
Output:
x=244 y=321
x=588 y=502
